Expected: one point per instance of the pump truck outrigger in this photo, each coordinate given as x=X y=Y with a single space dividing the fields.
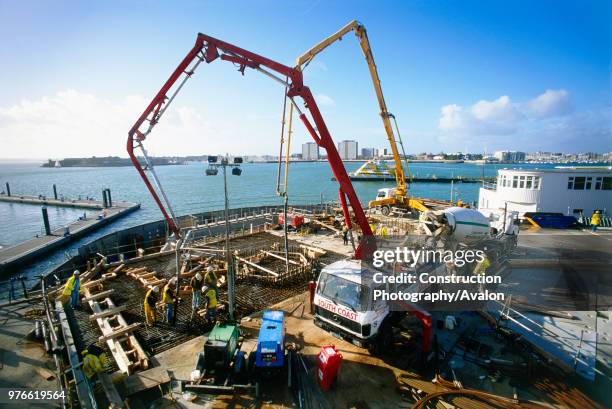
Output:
x=208 y=49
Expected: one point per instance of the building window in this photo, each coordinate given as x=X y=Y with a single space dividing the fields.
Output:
x=521 y=182
x=579 y=182
x=607 y=183
x=570 y=182
x=536 y=182
x=514 y=181
x=589 y=182
x=529 y=182
x=598 y=183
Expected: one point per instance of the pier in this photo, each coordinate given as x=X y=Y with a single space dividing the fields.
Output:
x=107 y=211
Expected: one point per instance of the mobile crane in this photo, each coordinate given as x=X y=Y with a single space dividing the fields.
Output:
x=208 y=49
x=387 y=197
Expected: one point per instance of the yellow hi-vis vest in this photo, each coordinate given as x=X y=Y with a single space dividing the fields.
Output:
x=211 y=294
x=69 y=286
x=595 y=219
x=167 y=298
x=91 y=365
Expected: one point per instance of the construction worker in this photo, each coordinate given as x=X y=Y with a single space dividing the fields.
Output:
x=195 y=284
x=72 y=289
x=168 y=298
x=94 y=361
x=210 y=278
x=595 y=221
x=459 y=203
x=345 y=235
x=210 y=298
x=150 y=302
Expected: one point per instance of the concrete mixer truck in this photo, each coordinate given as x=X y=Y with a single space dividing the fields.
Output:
x=343 y=302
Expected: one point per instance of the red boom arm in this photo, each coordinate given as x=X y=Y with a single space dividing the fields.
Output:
x=208 y=49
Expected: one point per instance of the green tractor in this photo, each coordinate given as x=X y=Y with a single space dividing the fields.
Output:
x=222 y=357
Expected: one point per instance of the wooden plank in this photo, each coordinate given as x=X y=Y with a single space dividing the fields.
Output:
x=280 y=258
x=257 y=266
x=146 y=380
x=118 y=269
x=119 y=332
x=99 y=295
x=44 y=373
x=112 y=395
x=107 y=313
x=94 y=282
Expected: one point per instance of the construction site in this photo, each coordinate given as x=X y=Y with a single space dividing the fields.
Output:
x=287 y=320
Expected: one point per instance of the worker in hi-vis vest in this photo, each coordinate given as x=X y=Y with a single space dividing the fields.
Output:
x=150 y=303
x=94 y=361
x=168 y=298
x=73 y=288
x=595 y=221
x=195 y=284
x=210 y=299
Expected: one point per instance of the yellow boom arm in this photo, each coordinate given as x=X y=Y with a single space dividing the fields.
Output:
x=360 y=33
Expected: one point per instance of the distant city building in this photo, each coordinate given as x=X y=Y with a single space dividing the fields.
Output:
x=367 y=153
x=310 y=151
x=510 y=156
x=347 y=150
x=380 y=152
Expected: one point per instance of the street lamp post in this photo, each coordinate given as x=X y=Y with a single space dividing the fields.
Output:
x=236 y=171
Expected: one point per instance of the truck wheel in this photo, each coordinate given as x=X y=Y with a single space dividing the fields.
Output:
x=385 y=210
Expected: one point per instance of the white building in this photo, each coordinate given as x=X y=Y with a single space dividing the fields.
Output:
x=567 y=190
x=510 y=156
x=310 y=151
x=348 y=149
x=380 y=152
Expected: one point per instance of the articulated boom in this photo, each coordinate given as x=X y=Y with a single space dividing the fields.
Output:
x=208 y=49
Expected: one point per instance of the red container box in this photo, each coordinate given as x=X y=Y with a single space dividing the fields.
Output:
x=295 y=220
x=329 y=363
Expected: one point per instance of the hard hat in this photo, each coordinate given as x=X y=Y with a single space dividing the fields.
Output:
x=210 y=269
x=198 y=276
x=76 y=272
x=155 y=289
x=596 y=211
x=204 y=288
x=172 y=280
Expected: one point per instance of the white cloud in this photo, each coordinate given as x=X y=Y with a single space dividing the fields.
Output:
x=324 y=100
x=497 y=117
x=452 y=117
x=76 y=124
x=551 y=103
x=545 y=122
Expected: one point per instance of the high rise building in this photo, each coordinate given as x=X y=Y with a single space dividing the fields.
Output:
x=310 y=151
x=347 y=149
x=367 y=153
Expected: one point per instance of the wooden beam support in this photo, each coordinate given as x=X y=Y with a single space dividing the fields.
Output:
x=119 y=332
x=257 y=266
x=107 y=313
x=99 y=295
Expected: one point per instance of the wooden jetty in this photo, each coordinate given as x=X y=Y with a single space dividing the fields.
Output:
x=15 y=256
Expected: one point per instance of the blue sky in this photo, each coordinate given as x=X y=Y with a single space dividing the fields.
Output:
x=458 y=75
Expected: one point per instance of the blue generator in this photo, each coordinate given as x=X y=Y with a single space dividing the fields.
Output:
x=270 y=351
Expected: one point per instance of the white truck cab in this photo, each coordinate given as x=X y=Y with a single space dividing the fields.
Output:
x=342 y=304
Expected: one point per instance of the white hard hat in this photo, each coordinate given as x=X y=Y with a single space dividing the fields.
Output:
x=76 y=272
x=155 y=289
x=198 y=276
x=204 y=289
x=210 y=269
x=172 y=280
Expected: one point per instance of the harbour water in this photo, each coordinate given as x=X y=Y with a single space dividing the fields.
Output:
x=191 y=191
